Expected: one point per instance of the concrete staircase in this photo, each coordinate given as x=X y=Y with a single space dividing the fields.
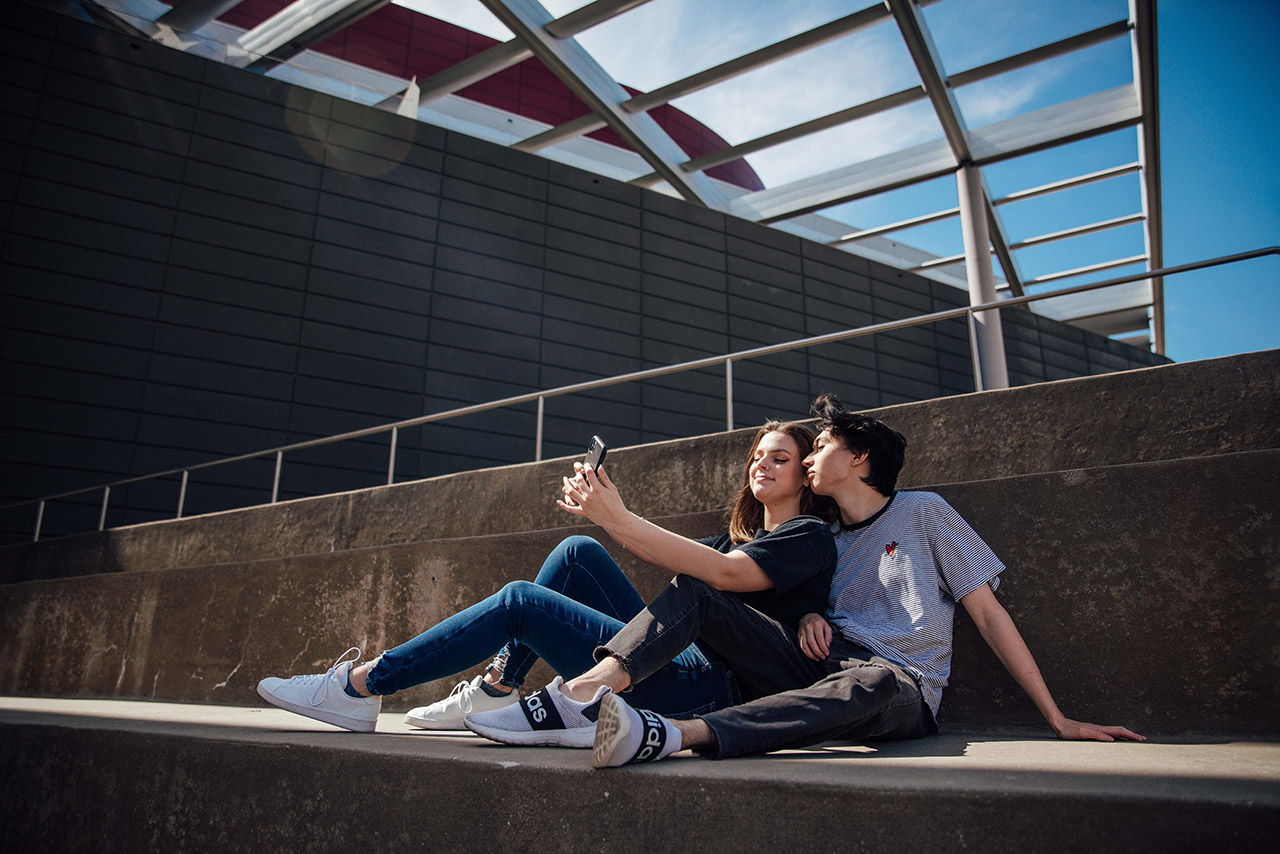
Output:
x=1136 y=513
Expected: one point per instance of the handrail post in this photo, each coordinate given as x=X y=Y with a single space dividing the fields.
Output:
x=973 y=350
x=391 y=463
x=182 y=494
x=728 y=394
x=537 y=442
x=35 y=538
x=102 y=517
x=275 y=481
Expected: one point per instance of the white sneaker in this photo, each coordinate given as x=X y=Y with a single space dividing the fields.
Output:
x=545 y=718
x=322 y=696
x=626 y=735
x=465 y=698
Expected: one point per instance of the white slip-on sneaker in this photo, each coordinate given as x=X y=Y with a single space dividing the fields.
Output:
x=545 y=718
x=625 y=735
x=322 y=696
x=465 y=698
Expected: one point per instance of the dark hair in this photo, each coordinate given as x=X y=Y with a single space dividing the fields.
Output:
x=886 y=449
x=747 y=515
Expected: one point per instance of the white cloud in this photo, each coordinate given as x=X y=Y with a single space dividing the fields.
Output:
x=1003 y=97
x=470 y=14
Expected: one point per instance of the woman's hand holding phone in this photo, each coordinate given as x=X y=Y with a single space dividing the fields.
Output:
x=592 y=494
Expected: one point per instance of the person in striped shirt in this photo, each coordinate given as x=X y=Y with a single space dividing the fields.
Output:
x=874 y=666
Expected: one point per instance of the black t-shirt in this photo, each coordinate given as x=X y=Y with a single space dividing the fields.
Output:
x=799 y=556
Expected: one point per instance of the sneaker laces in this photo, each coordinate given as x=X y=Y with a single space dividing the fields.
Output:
x=321 y=692
x=464 y=696
x=499 y=663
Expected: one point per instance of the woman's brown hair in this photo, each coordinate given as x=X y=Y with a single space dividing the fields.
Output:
x=747 y=516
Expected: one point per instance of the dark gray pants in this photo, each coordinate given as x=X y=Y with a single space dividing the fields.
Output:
x=793 y=701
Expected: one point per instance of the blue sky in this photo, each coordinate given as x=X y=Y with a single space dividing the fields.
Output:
x=1219 y=87
x=1220 y=122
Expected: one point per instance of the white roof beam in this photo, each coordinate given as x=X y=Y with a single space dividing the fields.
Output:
x=1091 y=115
x=798 y=43
x=1092 y=268
x=571 y=129
x=298 y=26
x=188 y=16
x=899 y=169
x=1145 y=77
x=502 y=56
x=1088 y=116
x=473 y=69
x=1069 y=183
x=999 y=243
x=588 y=16
x=583 y=75
x=1079 y=230
x=1118 y=322
x=717 y=74
x=1105 y=33
x=866 y=233
x=939 y=262
x=928 y=65
x=870 y=108
x=1130 y=299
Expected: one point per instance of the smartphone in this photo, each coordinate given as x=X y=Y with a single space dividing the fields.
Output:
x=595 y=453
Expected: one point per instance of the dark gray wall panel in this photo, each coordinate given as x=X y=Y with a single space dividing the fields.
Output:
x=199 y=261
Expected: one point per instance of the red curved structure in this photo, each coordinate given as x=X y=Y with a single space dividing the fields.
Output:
x=399 y=41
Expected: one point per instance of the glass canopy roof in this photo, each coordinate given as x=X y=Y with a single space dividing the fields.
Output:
x=838 y=120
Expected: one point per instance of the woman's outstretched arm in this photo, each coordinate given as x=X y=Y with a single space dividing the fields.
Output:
x=593 y=495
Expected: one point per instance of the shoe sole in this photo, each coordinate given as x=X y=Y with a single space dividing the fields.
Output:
x=347 y=723
x=580 y=737
x=428 y=723
x=449 y=724
x=612 y=730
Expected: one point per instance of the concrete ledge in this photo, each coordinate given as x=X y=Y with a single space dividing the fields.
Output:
x=1147 y=593
x=1200 y=408
x=1144 y=590
x=208 y=634
x=193 y=778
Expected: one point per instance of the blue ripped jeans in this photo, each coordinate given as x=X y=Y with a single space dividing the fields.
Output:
x=579 y=600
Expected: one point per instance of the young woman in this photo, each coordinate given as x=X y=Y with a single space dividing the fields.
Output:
x=778 y=555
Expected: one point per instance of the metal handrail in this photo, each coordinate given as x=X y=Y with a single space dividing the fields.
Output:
x=540 y=397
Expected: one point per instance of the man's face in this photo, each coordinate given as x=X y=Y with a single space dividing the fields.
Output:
x=829 y=464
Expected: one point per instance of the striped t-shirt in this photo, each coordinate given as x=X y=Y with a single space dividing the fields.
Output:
x=897 y=581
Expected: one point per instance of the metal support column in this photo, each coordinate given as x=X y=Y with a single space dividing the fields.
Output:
x=391 y=460
x=102 y=517
x=728 y=394
x=537 y=441
x=982 y=277
x=275 y=481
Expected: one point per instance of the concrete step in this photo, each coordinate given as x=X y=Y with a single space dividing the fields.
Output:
x=1216 y=406
x=208 y=634
x=129 y=776
x=1143 y=589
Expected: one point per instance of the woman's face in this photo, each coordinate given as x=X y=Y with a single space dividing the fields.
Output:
x=775 y=472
